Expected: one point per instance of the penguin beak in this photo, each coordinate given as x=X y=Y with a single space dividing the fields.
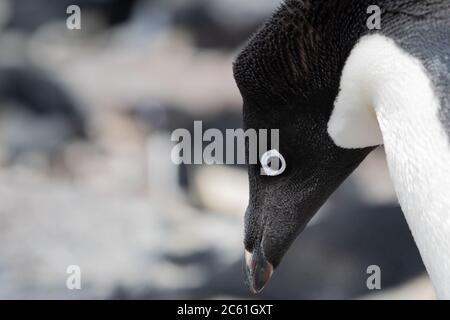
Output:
x=257 y=271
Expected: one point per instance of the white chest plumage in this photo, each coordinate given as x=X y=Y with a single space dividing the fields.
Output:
x=386 y=97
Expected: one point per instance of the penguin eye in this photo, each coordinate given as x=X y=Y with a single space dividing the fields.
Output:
x=272 y=163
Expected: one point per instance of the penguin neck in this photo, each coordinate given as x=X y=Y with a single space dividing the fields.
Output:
x=388 y=98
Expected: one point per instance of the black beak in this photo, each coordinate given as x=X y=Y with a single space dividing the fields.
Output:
x=257 y=271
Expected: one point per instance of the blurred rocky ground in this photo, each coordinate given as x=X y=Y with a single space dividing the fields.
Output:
x=86 y=177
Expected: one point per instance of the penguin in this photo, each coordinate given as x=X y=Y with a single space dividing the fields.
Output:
x=336 y=88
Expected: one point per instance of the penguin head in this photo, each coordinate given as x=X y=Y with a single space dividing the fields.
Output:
x=289 y=79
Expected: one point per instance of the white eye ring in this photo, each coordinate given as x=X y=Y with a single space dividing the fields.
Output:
x=265 y=160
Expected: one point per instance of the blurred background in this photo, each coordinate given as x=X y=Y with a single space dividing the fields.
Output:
x=86 y=177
